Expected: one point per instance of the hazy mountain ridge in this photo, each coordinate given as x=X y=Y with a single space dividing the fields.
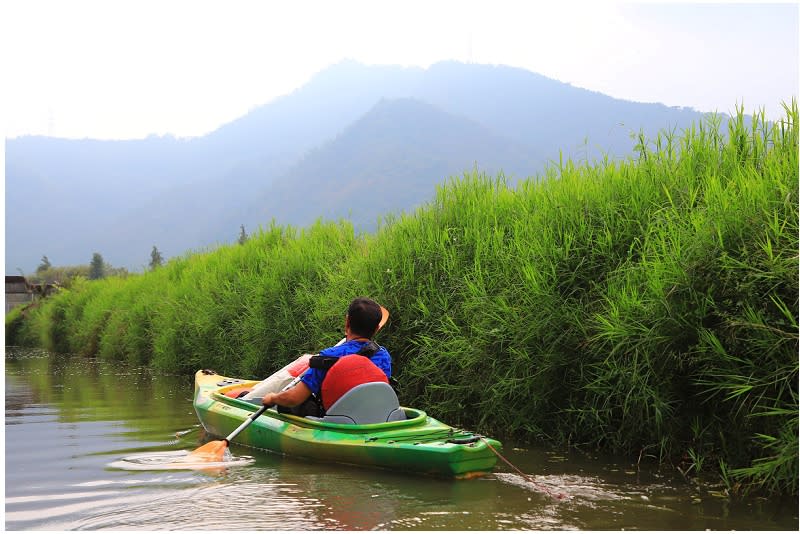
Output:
x=292 y=158
x=543 y=112
x=412 y=147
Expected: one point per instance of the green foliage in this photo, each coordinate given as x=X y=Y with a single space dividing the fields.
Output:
x=50 y=321
x=643 y=306
x=15 y=324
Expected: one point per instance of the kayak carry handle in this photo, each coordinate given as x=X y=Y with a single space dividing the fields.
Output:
x=464 y=441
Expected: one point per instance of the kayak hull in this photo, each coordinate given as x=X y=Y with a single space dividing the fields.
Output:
x=420 y=444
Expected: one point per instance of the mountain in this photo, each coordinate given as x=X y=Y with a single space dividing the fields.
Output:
x=543 y=112
x=388 y=161
x=388 y=133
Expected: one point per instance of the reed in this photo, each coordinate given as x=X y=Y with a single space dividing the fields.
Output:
x=646 y=306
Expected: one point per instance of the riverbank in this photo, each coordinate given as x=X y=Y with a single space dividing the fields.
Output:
x=643 y=307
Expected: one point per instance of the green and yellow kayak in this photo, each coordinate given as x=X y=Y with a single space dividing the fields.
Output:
x=419 y=444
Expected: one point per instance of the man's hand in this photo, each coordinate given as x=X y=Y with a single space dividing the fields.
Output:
x=268 y=399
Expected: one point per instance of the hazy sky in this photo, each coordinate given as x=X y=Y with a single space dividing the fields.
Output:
x=129 y=68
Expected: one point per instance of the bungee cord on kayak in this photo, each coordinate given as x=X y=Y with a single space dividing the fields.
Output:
x=433 y=436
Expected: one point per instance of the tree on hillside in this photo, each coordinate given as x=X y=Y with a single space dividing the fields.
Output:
x=44 y=265
x=96 y=267
x=242 y=236
x=155 y=259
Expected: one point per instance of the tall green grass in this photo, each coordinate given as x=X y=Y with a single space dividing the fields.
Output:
x=646 y=306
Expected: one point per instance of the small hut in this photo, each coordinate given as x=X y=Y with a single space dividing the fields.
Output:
x=18 y=292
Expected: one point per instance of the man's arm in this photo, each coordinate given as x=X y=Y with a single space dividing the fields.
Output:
x=289 y=398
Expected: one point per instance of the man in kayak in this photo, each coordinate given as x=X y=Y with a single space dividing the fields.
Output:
x=312 y=394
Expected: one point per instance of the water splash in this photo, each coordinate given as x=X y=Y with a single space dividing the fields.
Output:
x=574 y=486
x=179 y=460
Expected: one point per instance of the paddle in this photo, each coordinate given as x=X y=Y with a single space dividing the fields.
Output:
x=214 y=451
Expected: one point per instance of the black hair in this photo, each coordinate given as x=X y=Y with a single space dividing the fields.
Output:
x=365 y=315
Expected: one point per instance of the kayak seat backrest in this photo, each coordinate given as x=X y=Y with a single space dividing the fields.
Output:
x=373 y=402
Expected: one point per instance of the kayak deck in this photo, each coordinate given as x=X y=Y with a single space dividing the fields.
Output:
x=419 y=444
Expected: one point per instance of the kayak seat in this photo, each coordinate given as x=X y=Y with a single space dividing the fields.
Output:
x=373 y=402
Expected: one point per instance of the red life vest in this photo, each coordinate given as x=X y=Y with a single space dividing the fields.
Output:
x=348 y=372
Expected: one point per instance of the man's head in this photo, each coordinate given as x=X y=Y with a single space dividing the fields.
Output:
x=363 y=317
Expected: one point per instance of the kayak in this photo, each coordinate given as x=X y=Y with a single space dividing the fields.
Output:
x=418 y=444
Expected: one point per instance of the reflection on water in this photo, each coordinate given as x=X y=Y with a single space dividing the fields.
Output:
x=87 y=444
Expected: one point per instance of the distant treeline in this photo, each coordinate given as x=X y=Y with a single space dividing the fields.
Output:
x=646 y=307
x=65 y=275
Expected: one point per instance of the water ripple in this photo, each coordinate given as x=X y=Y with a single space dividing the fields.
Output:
x=256 y=507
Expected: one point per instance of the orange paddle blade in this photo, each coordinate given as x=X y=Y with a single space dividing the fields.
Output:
x=213 y=451
x=384 y=317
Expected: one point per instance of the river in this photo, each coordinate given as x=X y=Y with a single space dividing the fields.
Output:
x=70 y=421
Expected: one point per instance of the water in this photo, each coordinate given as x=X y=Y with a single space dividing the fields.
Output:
x=80 y=435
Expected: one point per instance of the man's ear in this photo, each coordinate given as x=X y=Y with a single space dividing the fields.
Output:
x=347 y=324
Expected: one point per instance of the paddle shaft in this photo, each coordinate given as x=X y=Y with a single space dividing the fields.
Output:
x=246 y=423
